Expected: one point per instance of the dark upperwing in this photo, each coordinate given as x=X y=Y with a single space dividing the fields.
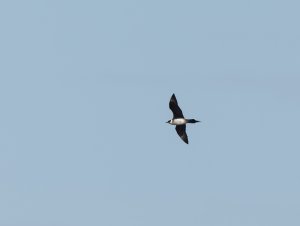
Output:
x=181 y=132
x=177 y=113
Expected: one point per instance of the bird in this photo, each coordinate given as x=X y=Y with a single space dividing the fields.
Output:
x=178 y=119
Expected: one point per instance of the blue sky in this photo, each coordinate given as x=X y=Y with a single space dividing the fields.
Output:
x=84 y=92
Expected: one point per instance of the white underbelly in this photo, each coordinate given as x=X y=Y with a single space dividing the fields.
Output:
x=178 y=121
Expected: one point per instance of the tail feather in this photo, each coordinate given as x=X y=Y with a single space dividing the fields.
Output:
x=192 y=121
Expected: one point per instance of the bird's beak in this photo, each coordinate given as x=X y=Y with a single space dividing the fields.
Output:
x=167 y=122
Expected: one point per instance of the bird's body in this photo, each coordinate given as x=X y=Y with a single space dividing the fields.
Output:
x=179 y=120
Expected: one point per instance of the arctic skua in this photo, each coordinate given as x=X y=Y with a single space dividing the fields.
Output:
x=178 y=119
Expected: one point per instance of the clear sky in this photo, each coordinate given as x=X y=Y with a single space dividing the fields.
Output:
x=84 y=92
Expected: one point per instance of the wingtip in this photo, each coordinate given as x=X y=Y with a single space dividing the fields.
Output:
x=185 y=141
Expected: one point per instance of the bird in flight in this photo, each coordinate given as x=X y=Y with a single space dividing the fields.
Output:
x=178 y=119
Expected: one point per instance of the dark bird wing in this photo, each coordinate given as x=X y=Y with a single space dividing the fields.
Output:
x=177 y=113
x=181 y=132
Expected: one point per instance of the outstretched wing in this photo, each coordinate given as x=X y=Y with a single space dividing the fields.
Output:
x=177 y=113
x=181 y=132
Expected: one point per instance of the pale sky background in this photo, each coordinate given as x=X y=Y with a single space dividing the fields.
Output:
x=84 y=92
